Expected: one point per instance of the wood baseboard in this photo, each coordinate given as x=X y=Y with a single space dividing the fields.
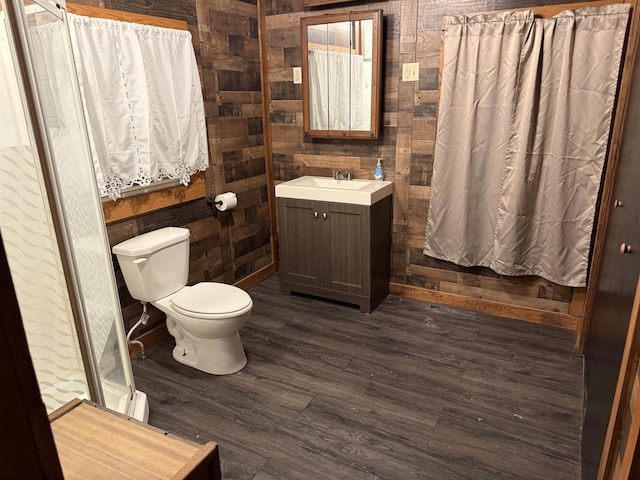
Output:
x=149 y=202
x=256 y=277
x=480 y=305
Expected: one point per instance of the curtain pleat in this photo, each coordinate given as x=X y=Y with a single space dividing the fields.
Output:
x=529 y=207
x=337 y=82
x=339 y=87
x=360 y=94
x=479 y=75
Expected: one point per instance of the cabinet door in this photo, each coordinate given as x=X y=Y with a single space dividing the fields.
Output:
x=346 y=247
x=300 y=233
x=614 y=289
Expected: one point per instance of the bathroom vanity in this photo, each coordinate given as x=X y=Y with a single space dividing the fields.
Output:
x=335 y=238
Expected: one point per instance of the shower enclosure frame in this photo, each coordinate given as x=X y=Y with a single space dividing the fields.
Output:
x=17 y=30
x=34 y=109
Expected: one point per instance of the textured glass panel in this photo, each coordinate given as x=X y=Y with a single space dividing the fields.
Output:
x=84 y=223
x=32 y=250
x=30 y=239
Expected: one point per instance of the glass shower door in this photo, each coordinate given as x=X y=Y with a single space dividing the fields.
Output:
x=32 y=248
x=74 y=200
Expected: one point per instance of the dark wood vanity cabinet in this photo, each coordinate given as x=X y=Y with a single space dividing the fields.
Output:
x=335 y=250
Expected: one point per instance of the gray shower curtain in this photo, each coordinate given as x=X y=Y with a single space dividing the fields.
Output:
x=524 y=119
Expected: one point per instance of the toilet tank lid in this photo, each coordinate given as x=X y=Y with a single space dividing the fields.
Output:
x=151 y=242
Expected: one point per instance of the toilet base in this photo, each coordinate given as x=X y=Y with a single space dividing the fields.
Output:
x=218 y=356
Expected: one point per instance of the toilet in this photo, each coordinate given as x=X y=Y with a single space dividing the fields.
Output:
x=204 y=318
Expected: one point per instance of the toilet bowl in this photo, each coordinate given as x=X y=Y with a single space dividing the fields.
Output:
x=204 y=318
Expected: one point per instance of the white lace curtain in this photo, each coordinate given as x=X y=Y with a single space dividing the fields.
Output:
x=523 y=125
x=143 y=102
x=339 y=85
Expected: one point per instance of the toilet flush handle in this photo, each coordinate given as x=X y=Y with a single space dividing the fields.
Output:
x=140 y=261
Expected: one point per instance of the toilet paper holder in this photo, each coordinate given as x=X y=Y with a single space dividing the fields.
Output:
x=222 y=202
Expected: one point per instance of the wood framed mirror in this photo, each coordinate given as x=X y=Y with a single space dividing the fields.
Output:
x=341 y=74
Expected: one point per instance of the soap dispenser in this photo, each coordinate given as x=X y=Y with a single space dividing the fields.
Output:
x=377 y=173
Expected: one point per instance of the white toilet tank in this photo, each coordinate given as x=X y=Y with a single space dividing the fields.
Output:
x=155 y=264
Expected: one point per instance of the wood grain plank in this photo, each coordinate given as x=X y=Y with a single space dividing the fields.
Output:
x=490 y=289
x=548 y=11
x=110 y=14
x=331 y=393
x=486 y=306
x=268 y=150
x=149 y=202
x=522 y=292
x=119 y=448
x=578 y=297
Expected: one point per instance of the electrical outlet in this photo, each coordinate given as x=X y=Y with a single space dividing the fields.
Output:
x=297 y=75
x=406 y=72
x=415 y=71
x=410 y=72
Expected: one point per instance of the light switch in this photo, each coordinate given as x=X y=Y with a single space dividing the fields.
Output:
x=410 y=72
x=297 y=75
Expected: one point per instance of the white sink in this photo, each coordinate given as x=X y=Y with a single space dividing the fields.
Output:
x=327 y=189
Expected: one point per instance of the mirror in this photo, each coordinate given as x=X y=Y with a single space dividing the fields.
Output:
x=341 y=74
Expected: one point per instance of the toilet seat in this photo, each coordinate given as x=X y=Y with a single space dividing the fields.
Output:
x=210 y=300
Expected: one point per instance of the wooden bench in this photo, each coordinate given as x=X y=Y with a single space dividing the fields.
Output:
x=95 y=443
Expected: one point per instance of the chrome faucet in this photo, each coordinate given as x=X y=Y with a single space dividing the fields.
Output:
x=338 y=175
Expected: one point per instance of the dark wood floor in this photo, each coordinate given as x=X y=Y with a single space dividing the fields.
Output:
x=412 y=391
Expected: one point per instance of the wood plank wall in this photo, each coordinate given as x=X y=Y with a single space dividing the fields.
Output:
x=229 y=246
x=233 y=246
x=412 y=33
